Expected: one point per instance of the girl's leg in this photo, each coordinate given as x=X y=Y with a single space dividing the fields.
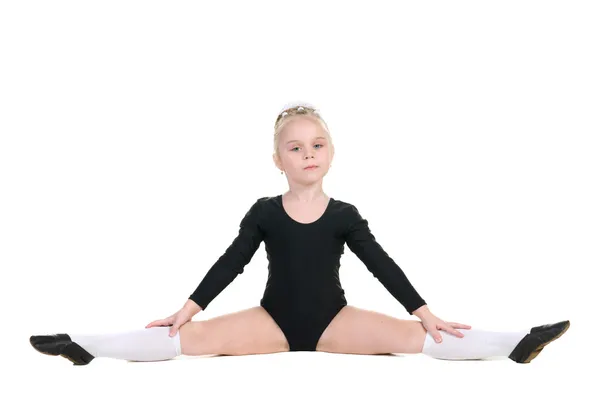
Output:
x=476 y=344
x=520 y=346
x=250 y=331
x=358 y=331
x=151 y=344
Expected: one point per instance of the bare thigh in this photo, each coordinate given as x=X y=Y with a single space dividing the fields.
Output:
x=358 y=331
x=250 y=331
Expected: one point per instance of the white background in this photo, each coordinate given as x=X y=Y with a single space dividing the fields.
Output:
x=135 y=136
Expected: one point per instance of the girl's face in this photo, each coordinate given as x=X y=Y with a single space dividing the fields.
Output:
x=301 y=144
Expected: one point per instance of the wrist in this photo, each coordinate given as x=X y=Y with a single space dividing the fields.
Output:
x=422 y=311
x=192 y=307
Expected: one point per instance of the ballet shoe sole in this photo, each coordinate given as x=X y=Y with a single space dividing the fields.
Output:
x=72 y=352
x=76 y=354
x=537 y=351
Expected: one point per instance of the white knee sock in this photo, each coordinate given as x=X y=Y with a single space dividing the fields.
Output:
x=476 y=344
x=149 y=344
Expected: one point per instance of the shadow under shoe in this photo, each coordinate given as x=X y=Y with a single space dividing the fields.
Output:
x=533 y=343
x=61 y=345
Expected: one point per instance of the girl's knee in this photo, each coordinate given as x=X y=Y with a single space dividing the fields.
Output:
x=191 y=337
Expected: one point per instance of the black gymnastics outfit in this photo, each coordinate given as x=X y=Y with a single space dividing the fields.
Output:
x=303 y=291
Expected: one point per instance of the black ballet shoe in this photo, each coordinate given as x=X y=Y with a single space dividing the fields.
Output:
x=61 y=345
x=533 y=343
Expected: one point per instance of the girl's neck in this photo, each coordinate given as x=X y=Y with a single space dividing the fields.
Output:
x=307 y=195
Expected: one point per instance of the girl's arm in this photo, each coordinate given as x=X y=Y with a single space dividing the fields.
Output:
x=233 y=261
x=361 y=241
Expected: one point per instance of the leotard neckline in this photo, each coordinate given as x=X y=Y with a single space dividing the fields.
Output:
x=280 y=201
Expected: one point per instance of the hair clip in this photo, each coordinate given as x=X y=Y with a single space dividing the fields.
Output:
x=296 y=109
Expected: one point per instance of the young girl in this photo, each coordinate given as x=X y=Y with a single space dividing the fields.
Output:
x=303 y=307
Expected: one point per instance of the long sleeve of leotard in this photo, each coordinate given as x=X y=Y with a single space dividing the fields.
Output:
x=234 y=259
x=361 y=241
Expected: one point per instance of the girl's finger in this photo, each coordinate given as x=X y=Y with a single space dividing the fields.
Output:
x=156 y=323
x=173 y=329
x=435 y=334
x=459 y=325
x=454 y=332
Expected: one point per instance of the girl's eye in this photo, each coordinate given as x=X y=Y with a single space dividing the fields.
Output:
x=299 y=147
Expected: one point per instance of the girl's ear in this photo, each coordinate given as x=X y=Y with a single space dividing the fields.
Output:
x=276 y=160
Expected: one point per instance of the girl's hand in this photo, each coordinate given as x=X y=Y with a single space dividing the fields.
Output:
x=174 y=321
x=432 y=324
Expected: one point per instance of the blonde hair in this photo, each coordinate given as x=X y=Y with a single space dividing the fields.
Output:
x=305 y=110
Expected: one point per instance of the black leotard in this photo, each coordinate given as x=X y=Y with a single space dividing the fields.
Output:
x=303 y=291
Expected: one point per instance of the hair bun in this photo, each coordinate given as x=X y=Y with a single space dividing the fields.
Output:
x=297 y=104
